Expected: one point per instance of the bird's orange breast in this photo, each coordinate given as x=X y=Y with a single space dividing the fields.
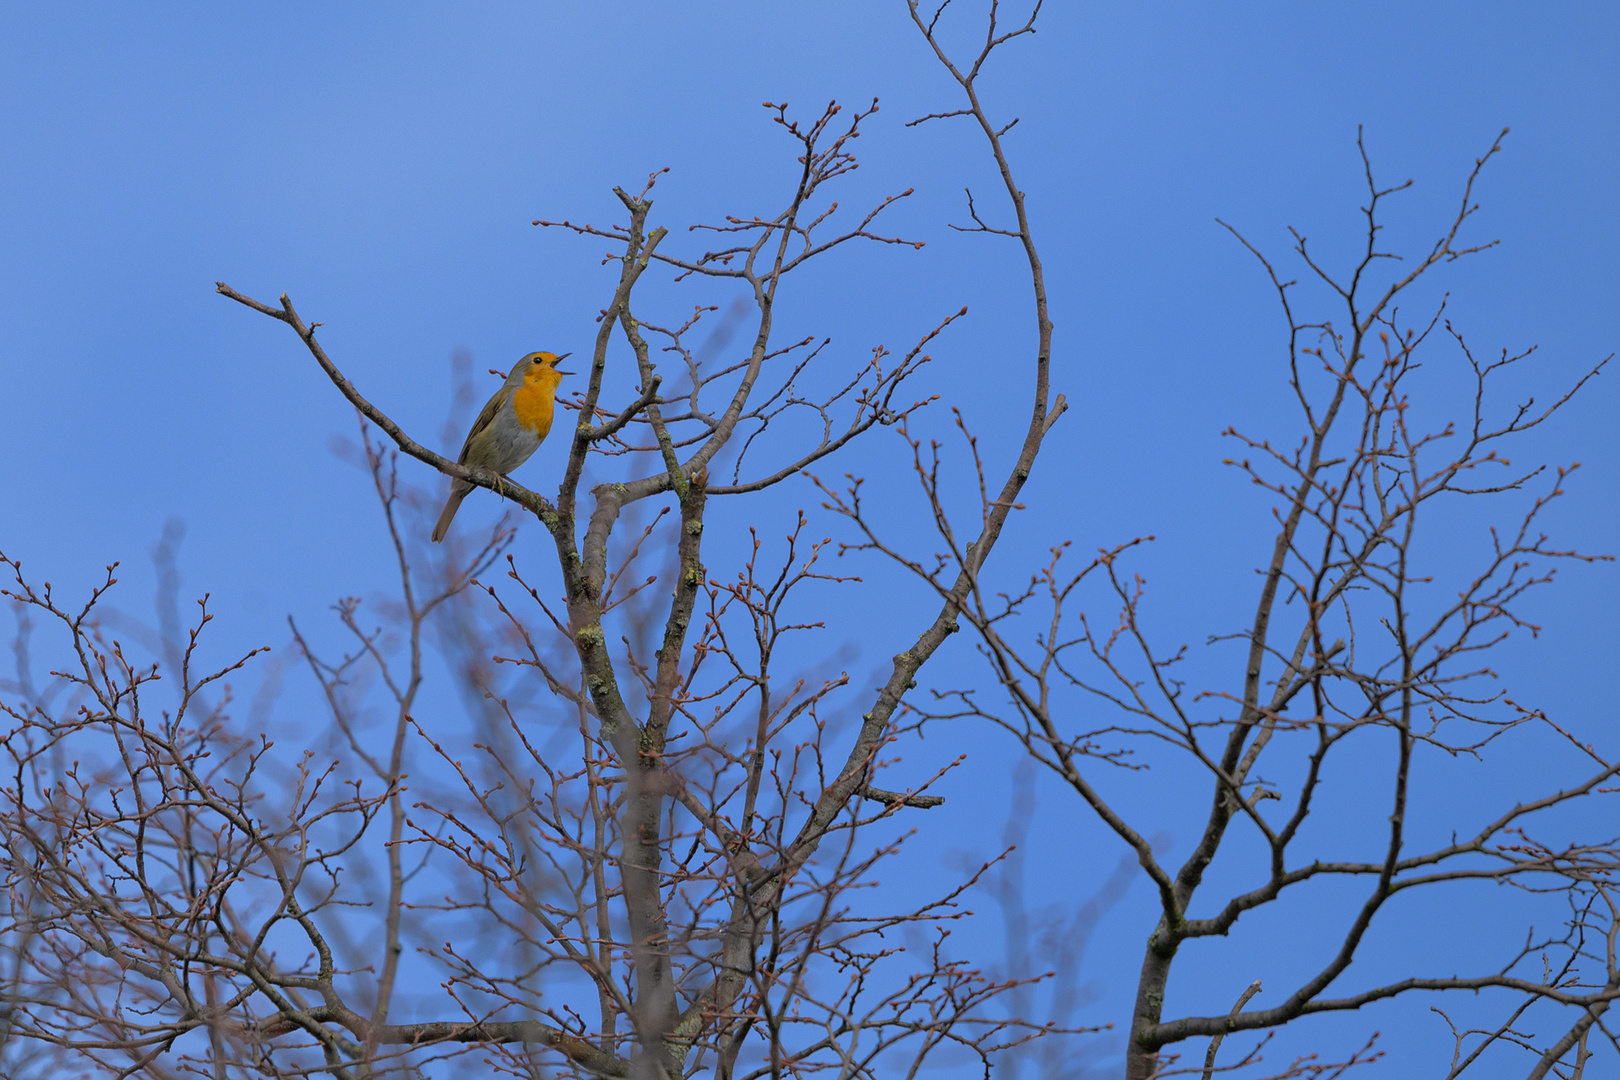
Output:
x=534 y=404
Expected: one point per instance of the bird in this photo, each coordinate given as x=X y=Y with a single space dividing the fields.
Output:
x=511 y=427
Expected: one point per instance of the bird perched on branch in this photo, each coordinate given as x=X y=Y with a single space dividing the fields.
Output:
x=511 y=426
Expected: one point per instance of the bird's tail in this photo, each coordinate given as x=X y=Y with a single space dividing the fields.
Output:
x=451 y=505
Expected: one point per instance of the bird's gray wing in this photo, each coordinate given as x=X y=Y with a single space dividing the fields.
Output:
x=485 y=419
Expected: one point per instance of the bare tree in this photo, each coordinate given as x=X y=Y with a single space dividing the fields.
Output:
x=673 y=894
x=1359 y=633
x=652 y=850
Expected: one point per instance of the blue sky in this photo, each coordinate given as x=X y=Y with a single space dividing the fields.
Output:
x=382 y=163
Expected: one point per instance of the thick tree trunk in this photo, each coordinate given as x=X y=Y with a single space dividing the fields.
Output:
x=1142 y=1052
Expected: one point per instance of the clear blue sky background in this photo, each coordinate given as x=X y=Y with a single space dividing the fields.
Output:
x=381 y=163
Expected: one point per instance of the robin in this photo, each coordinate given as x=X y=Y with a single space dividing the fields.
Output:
x=511 y=426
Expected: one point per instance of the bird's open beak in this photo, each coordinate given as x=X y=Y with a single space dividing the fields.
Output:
x=559 y=360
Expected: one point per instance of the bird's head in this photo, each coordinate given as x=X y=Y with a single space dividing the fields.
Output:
x=540 y=368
